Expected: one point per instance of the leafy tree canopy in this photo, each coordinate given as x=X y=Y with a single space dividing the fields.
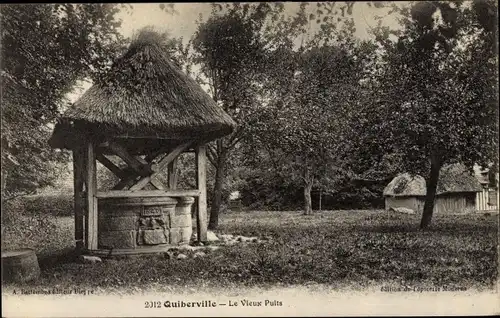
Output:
x=45 y=50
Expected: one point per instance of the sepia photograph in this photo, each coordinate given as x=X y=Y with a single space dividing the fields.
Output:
x=249 y=159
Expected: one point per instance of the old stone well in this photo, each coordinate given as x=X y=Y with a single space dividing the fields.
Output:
x=137 y=223
x=137 y=121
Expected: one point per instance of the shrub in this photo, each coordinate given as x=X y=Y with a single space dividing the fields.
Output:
x=265 y=192
x=11 y=209
x=27 y=225
x=30 y=221
x=52 y=204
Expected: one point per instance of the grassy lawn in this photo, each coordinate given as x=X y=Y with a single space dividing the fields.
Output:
x=351 y=250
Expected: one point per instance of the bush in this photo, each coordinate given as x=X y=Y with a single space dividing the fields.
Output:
x=11 y=209
x=25 y=224
x=52 y=204
x=29 y=221
x=266 y=192
x=353 y=196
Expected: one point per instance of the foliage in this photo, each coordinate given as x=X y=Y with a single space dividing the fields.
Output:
x=49 y=204
x=228 y=50
x=56 y=204
x=311 y=95
x=342 y=249
x=261 y=189
x=435 y=89
x=446 y=101
x=35 y=221
x=38 y=71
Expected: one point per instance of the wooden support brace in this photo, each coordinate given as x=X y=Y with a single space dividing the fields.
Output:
x=172 y=174
x=201 y=183
x=125 y=183
x=111 y=166
x=130 y=178
x=161 y=166
x=140 y=166
x=157 y=184
x=155 y=154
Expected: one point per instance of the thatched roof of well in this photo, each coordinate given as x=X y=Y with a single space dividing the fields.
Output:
x=145 y=94
x=453 y=179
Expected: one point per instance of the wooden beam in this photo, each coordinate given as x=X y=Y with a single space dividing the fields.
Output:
x=155 y=154
x=111 y=166
x=78 y=180
x=90 y=176
x=157 y=184
x=137 y=163
x=147 y=193
x=201 y=184
x=125 y=183
x=161 y=166
x=128 y=178
x=131 y=178
x=172 y=174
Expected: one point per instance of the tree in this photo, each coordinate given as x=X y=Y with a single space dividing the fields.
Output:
x=229 y=51
x=436 y=89
x=45 y=50
x=313 y=91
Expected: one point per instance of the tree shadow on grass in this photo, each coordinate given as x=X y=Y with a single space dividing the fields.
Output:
x=388 y=228
x=445 y=225
x=64 y=256
x=438 y=228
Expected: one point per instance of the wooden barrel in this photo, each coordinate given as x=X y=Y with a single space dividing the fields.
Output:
x=19 y=265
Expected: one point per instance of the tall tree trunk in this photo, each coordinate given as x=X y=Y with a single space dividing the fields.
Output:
x=320 y=195
x=217 y=193
x=431 y=185
x=307 y=198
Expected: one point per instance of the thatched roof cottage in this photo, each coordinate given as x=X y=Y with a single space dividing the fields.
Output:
x=456 y=191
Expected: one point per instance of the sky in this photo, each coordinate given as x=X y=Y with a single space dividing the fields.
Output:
x=182 y=23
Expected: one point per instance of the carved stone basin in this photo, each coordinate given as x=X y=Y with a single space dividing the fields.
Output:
x=144 y=223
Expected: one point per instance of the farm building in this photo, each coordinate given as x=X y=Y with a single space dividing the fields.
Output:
x=456 y=192
x=487 y=199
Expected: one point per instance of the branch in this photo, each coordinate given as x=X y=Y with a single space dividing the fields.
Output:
x=222 y=149
x=235 y=138
x=17 y=195
x=211 y=154
x=271 y=157
x=308 y=177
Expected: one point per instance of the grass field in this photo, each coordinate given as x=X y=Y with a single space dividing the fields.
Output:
x=352 y=250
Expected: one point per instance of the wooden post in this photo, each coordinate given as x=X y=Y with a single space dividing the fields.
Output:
x=201 y=184
x=172 y=174
x=78 y=179
x=498 y=193
x=90 y=176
